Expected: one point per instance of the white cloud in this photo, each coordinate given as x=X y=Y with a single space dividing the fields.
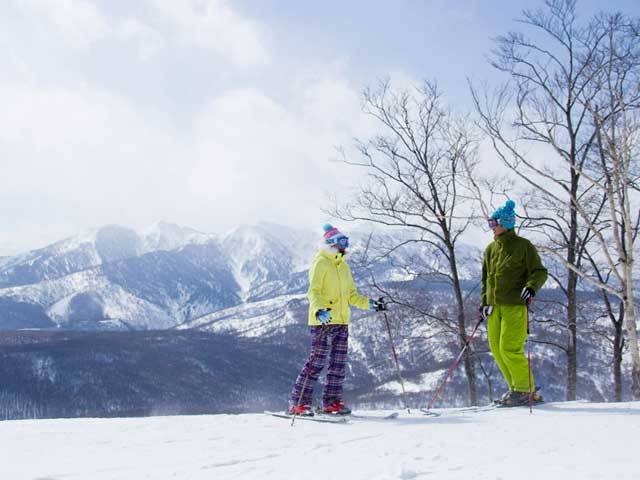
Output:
x=84 y=156
x=82 y=149
x=213 y=24
x=208 y=24
x=79 y=21
x=148 y=39
x=271 y=159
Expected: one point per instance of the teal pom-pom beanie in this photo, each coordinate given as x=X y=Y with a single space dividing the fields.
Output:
x=506 y=215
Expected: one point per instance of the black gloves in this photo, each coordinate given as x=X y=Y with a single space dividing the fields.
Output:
x=485 y=311
x=377 y=305
x=527 y=294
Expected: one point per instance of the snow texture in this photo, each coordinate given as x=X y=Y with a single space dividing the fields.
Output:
x=558 y=441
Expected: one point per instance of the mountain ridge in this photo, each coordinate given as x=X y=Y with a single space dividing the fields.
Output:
x=168 y=275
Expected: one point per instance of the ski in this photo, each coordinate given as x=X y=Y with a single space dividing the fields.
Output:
x=315 y=418
x=330 y=418
x=429 y=413
x=361 y=416
x=482 y=408
x=390 y=416
x=479 y=408
x=476 y=409
x=533 y=404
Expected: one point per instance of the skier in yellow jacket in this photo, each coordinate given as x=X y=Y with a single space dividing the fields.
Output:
x=331 y=294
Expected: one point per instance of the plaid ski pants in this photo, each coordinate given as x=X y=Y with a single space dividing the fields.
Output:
x=326 y=341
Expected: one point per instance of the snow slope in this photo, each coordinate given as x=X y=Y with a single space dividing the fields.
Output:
x=558 y=441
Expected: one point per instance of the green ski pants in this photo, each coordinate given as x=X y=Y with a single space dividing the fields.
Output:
x=507 y=330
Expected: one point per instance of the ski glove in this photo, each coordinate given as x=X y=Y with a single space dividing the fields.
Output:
x=527 y=294
x=485 y=311
x=377 y=305
x=323 y=315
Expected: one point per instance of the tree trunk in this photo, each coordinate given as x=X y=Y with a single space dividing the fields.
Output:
x=470 y=370
x=617 y=362
x=572 y=299
x=630 y=319
x=627 y=254
x=572 y=357
x=487 y=378
x=469 y=367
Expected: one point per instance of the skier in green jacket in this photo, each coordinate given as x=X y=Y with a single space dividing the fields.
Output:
x=512 y=273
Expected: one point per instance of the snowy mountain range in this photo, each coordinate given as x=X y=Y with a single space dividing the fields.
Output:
x=246 y=286
x=114 y=278
x=118 y=322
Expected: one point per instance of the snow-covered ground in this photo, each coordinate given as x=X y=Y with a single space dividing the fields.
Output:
x=558 y=441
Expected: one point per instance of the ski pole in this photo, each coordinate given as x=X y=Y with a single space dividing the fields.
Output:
x=395 y=357
x=310 y=361
x=454 y=365
x=529 y=364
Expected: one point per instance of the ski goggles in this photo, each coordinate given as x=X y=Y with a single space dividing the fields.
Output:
x=493 y=223
x=342 y=241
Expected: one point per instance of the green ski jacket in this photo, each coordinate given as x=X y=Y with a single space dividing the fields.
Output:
x=510 y=263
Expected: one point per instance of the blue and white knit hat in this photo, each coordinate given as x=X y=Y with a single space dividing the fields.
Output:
x=506 y=215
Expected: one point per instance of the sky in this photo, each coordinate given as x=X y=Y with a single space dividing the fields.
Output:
x=210 y=113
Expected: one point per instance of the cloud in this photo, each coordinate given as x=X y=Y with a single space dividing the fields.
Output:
x=79 y=22
x=207 y=24
x=213 y=24
x=102 y=138
x=84 y=156
x=148 y=39
x=272 y=159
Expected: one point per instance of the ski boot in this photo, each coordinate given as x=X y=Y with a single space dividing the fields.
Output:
x=301 y=410
x=520 y=399
x=503 y=398
x=336 y=408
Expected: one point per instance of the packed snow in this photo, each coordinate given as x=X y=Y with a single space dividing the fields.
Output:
x=557 y=441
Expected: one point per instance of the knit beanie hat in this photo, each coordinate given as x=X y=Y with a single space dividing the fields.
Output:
x=505 y=215
x=331 y=234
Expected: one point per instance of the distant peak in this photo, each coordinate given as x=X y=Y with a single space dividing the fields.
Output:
x=165 y=235
x=164 y=225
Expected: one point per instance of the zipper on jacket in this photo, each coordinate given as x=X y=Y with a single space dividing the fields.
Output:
x=340 y=287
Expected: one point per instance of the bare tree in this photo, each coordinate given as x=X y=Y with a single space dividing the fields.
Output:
x=614 y=107
x=415 y=169
x=613 y=313
x=538 y=115
x=574 y=92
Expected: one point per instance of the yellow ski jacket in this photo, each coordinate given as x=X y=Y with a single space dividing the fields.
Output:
x=331 y=286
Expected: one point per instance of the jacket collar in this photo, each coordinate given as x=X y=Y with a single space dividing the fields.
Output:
x=506 y=236
x=332 y=254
